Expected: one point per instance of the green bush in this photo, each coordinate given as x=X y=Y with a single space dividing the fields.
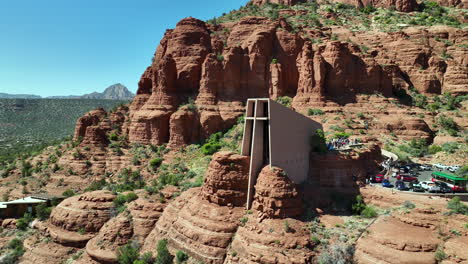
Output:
x=318 y=142
x=163 y=255
x=122 y=199
x=113 y=137
x=155 y=163
x=181 y=257
x=210 y=148
x=457 y=207
x=274 y=61
x=409 y=205
x=17 y=250
x=433 y=149
x=127 y=254
x=447 y=124
x=450 y=147
x=358 y=206
x=68 y=193
x=440 y=254
x=23 y=223
x=369 y=212
x=285 y=101
x=312 y=112
x=43 y=211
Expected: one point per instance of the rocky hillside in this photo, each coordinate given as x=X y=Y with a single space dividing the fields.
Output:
x=163 y=177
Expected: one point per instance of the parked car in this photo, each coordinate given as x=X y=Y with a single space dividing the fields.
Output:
x=400 y=185
x=444 y=188
x=430 y=186
x=440 y=166
x=424 y=167
x=416 y=187
x=377 y=178
x=406 y=178
x=453 y=168
x=386 y=183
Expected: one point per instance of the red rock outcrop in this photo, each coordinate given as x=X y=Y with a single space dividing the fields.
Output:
x=405 y=127
x=132 y=225
x=268 y=241
x=92 y=118
x=202 y=221
x=276 y=195
x=226 y=180
x=77 y=219
x=340 y=172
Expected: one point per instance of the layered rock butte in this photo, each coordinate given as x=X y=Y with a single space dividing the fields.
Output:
x=197 y=85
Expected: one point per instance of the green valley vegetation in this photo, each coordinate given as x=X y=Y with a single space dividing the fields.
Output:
x=29 y=125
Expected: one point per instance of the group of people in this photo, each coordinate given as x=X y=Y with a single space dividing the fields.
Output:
x=339 y=143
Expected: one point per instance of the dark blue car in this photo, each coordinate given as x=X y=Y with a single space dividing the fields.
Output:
x=386 y=183
x=401 y=186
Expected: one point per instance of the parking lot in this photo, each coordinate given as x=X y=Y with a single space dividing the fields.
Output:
x=421 y=175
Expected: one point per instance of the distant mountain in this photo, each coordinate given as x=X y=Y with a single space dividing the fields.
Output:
x=17 y=96
x=113 y=92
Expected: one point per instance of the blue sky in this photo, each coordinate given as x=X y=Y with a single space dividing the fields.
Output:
x=63 y=47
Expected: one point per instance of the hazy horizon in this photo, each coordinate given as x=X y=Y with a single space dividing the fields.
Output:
x=58 y=48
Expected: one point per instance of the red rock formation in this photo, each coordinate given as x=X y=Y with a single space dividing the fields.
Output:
x=276 y=195
x=267 y=242
x=340 y=172
x=77 y=219
x=90 y=119
x=226 y=180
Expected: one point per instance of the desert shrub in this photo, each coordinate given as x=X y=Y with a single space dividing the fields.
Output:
x=113 y=137
x=43 y=211
x=360 y=208
x=416 y=147
x=122 y=199
x=433 y=149
x=26 y=169
x=220 y=57
x=440 y=254
x=447 y=124
x=68 y=193
x=318 y=142
x=369 y=212
x=338 y=253
x=155 y=163
x=128 y=253
x=312 y=112
x=337 y=128
x=210 y=148
x=128 y=180
x=457 y=207
x=420 y=100
x=409 y=205
x=341 y=135
x=213 y=145
x=23 y=222
x=274 y=61
x=181 y=257
x=287 y=228
x=96 y=185
x=163 y=255
x=285 y=101
x=450 y=147
x=17 y=250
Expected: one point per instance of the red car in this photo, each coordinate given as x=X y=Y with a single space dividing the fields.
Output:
x=406 y=178
x=378 y=178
